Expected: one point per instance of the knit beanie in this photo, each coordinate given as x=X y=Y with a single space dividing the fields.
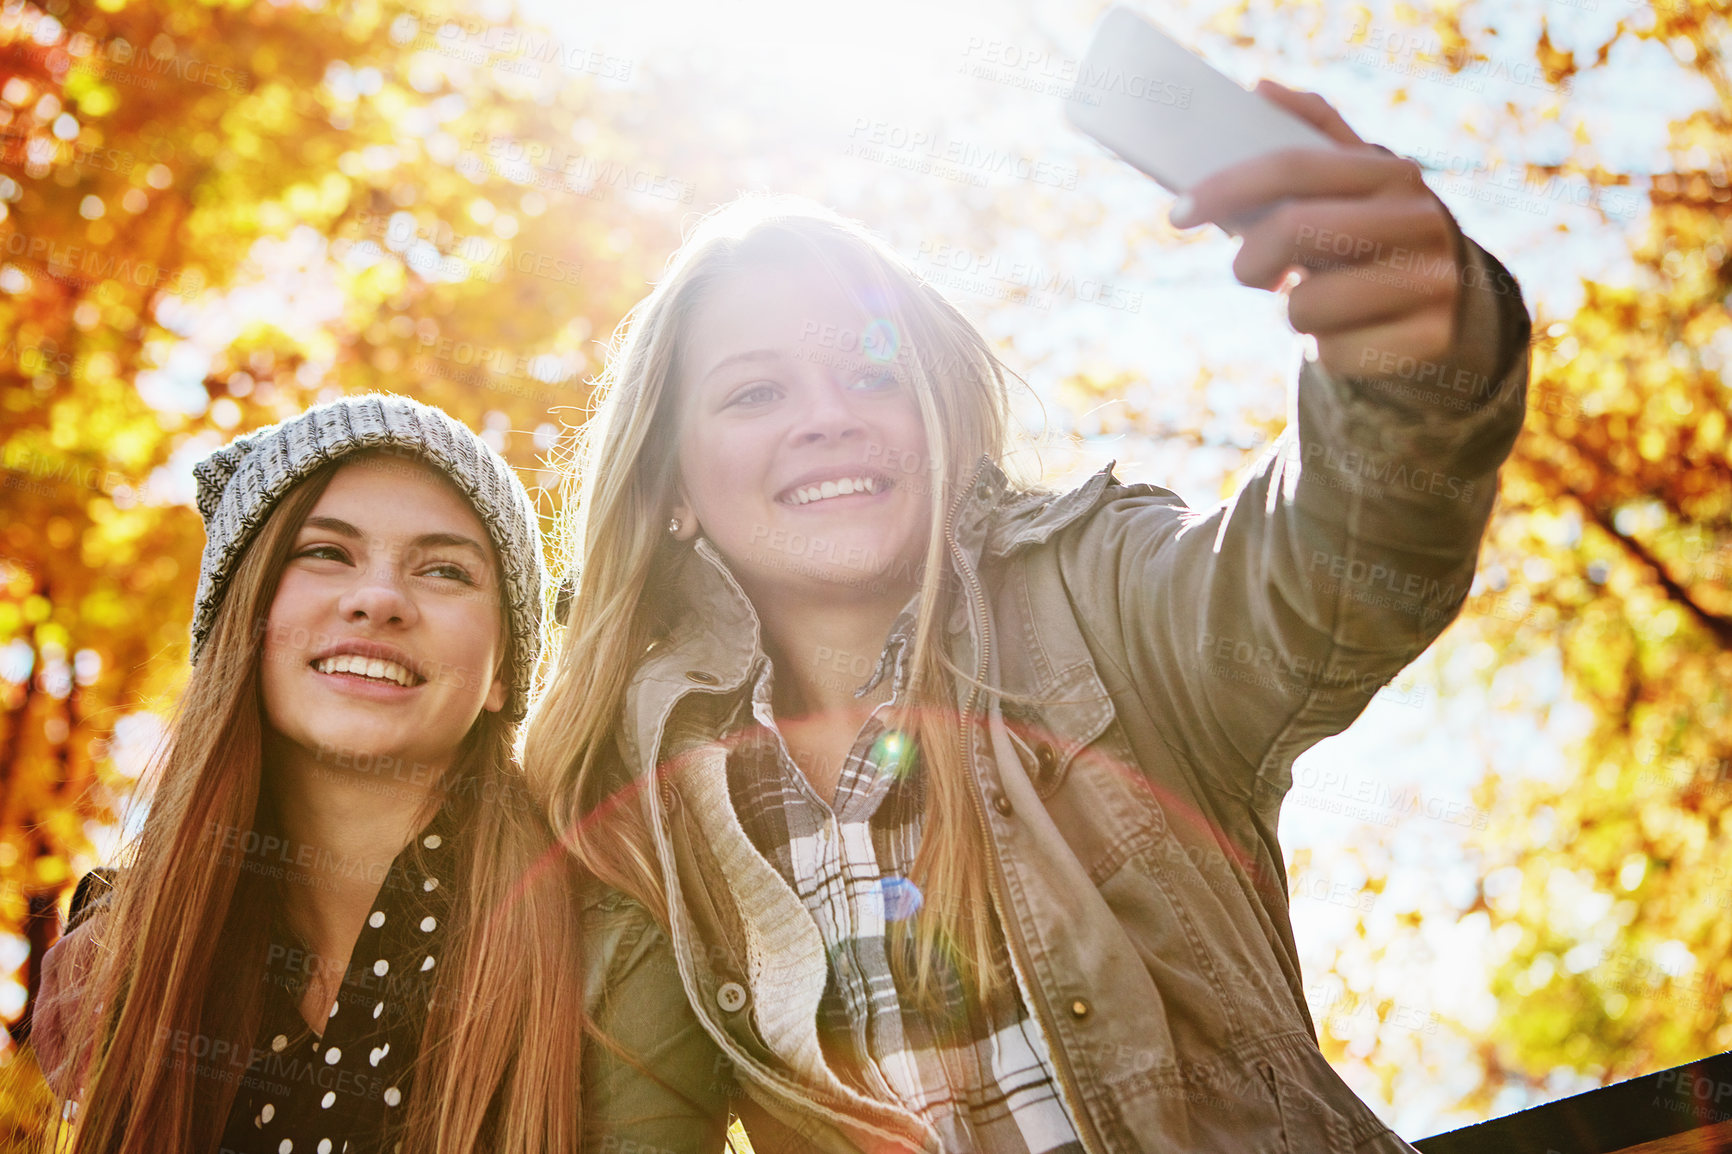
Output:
x=240 y=483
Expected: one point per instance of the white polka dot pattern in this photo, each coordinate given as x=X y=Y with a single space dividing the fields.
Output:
x=309 y=1091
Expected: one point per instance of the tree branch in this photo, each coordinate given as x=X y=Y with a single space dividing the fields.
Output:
x=1720 y=627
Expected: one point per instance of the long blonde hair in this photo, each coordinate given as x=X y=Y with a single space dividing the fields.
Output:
x=188 y=923
x=620 y=492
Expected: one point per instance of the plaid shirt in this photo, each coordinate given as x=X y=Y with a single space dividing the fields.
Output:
x=980 y=1076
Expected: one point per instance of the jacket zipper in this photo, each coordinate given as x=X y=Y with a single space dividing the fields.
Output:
x=977 y=601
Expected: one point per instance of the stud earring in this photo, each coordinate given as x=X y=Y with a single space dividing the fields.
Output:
x=674 y=526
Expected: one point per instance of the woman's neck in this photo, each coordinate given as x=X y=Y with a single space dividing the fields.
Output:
x=342 y=829
x=824 y=651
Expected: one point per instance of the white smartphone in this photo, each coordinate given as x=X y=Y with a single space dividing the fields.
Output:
x=1168 y=112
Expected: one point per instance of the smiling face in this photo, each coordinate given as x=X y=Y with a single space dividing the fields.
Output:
x=385 y=638
x=801 y=457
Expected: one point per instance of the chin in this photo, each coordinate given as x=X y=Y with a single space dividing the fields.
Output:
x=876 y=580
x=351 y=749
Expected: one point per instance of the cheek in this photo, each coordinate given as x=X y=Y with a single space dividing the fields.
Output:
x=475 y=649
x=294 y=611
x=721 y=448
x=914 y=430
x=284 y=645
x=276 y=686
x=719 y=477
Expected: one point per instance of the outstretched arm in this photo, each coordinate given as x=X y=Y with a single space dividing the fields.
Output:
x=1254 y=629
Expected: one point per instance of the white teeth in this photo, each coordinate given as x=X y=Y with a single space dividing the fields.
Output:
x=370 y=667
x=841 y=487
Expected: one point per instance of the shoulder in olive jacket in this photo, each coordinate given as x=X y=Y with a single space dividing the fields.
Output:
x=1160 y=670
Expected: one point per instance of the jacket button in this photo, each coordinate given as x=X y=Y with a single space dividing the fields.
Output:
x=702 y=677
x=1079 y=1009
x=731 y=997
x=1002 y=805
x=1045 y=757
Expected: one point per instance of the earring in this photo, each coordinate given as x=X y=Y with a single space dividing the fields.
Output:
x=674 y=526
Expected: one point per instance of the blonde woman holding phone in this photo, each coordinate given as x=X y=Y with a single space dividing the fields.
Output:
x=957 y=795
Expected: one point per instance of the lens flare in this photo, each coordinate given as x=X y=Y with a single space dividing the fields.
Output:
x=902 y=898
x=881 y=342
x=892 y=753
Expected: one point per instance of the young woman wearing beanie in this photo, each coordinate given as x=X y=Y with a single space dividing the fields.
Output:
x=961 y=797
x=342 y=927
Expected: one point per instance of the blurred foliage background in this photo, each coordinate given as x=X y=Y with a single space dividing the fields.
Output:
x=214 y=213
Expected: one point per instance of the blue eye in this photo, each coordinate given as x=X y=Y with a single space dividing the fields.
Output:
x=451 y=570
x=874 y=379
x=754 y=395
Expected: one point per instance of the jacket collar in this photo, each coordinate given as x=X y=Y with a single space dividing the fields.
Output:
x=1022 y=520
x=991 y=521
x=713 y=648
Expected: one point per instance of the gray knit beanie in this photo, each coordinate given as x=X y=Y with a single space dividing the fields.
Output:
x=240 y=483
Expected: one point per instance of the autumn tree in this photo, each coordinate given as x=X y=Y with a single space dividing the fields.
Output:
x=1614 y=545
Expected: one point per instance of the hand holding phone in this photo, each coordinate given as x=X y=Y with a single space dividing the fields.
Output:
x=1168 y=112
x=1364 y=252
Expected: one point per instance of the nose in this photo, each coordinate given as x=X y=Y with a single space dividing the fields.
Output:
x=378 y=595
x=828 y=413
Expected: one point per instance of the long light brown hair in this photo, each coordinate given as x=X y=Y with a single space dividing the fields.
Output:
x=184 y=938
x=620 y=490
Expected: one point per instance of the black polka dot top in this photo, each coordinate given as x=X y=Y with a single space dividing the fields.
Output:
x=344 y=1088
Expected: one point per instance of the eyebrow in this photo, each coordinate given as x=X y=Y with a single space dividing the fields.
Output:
x=456 y=539
x=335 y=525
x=343 y=529
x=752 y=356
